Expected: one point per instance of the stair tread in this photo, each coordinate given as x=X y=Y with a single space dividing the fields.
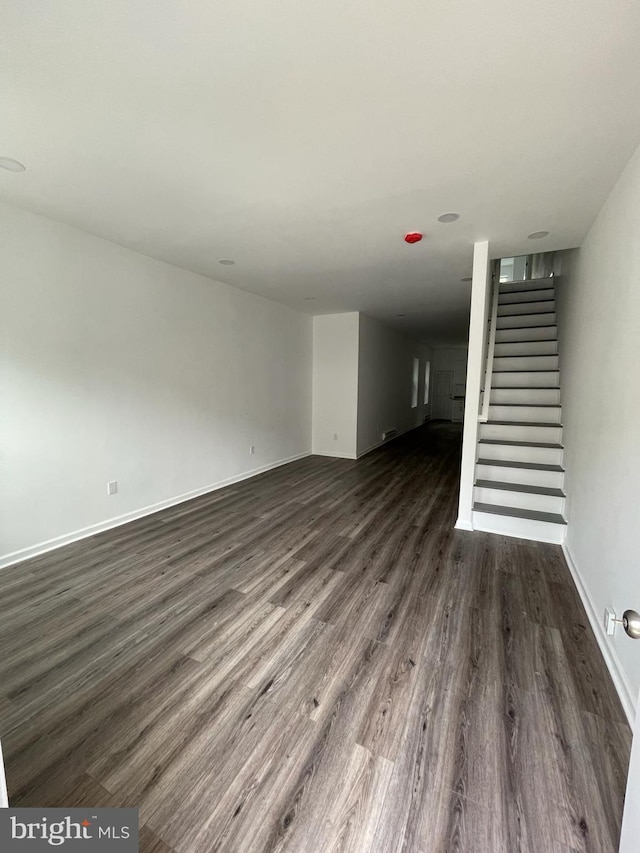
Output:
x=545 y=278
x=523 y=423
x=517 y=512
x=533 y=313
x=520 y=304
x=530 y=341
x=549 y=296
x=524 y=387
x=513 y=328
x=529 y=301
x=524 y=370
x=510 y=443
x=529 y=405
x=529 y=355
x=520 y=487
x=512 y=463
x=523 y=354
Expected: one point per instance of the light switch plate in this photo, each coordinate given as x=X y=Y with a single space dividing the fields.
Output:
x=610 y=620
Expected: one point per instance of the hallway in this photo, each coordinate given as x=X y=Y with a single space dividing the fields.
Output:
x=314 y=660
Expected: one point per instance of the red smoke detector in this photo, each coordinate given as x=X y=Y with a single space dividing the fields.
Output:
x=413 y=237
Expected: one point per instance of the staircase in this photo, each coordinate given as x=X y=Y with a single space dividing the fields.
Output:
x=519 y=473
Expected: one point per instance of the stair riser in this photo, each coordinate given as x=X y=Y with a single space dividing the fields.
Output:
x=523 y=286
x=543 y=295
x=525 y=378
x=526 y=308
x=544 y=414
x=542 y=396
x=525 y=320
x=522 y=528
x=527 y=348
x=528 y=476
x=522 y=500
x=516 y=432
x=541 y=333
x=526 y=362
x=507 y=452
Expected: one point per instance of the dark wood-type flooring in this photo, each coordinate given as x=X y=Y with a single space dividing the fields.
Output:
x=312 y=661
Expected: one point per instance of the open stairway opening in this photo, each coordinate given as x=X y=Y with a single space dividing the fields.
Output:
x=519 y=474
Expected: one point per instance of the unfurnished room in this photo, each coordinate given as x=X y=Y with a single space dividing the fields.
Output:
x=319 y=446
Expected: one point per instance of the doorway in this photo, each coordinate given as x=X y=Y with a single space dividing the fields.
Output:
x=442 y=395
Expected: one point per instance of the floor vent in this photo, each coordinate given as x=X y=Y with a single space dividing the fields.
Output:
x=389 y=433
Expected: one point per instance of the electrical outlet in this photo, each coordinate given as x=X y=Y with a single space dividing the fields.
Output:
x=252 y=449
x=610 y=620
x=335 y=436
x=112 y=487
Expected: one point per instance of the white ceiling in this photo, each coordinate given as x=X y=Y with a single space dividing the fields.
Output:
x=302 y=139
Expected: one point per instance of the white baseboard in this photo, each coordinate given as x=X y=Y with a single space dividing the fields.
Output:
x=387 y=440
x=59 y=541
x=377 y=445
x=369 y=449
x=487 y=528
x=334 y=455
x=608 y=652
x=461 y=524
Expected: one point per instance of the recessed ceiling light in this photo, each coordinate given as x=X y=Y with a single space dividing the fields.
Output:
x=448 y=217
x=536 y=235
x=11 y=165
x=468 y=278
x=227 y=262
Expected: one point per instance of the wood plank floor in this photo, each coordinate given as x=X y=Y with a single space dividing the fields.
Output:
x=312 y=661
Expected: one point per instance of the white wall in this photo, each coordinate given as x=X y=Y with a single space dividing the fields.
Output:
x=115 y=366
x=385 y=379
x=598 y=302
x=362 y=383
x=335 y=384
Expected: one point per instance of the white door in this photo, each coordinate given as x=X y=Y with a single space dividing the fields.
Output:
x=442 y=394
x=630 y=836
